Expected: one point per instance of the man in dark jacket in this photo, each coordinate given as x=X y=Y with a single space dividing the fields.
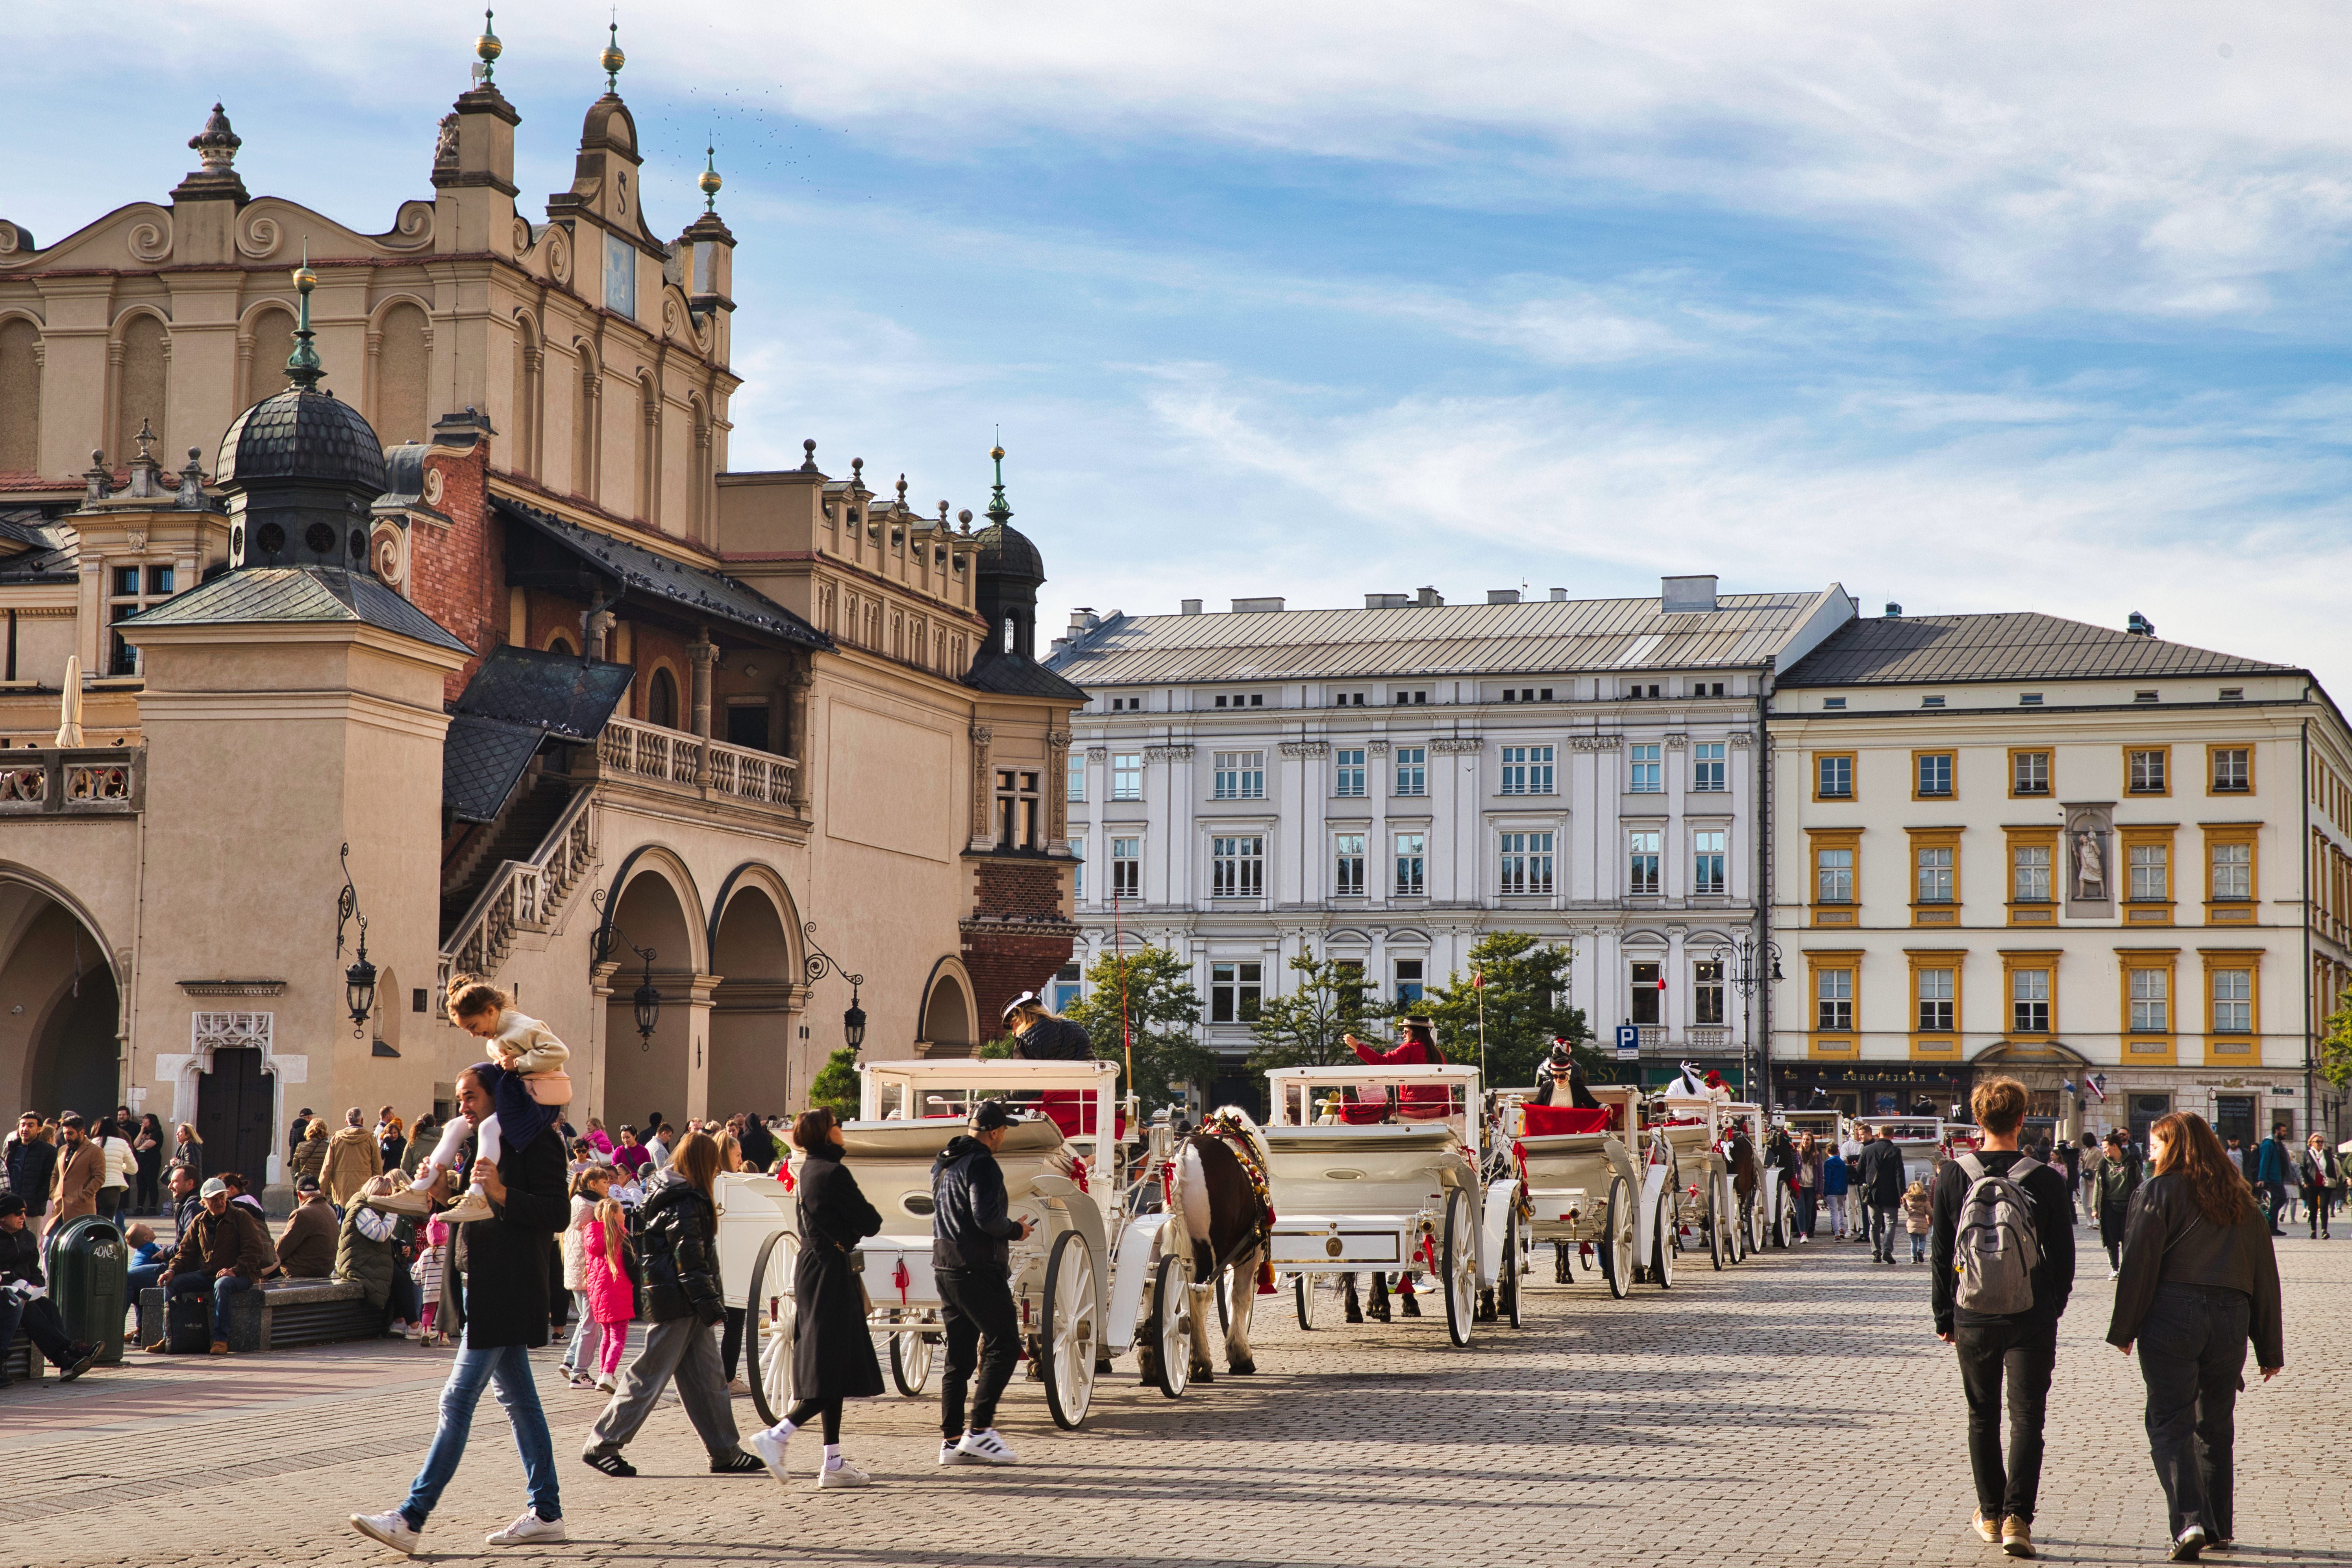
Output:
x=970 y=1261
x=296 y=1132
x=2019 y=1347
x=307 y=1250
x=506 y=1318
x=2271 y=1163
x=24 y=1300
x=1878 y=1178
x=223 y=1252
x=1039 y=1036
x=30 y=1163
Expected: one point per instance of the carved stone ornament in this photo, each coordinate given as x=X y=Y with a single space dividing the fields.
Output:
x=1458 y=743
x=1098 y=754
x=136 y=539
x=1057 y=740
x=1593 y=743
x=433 y=486
x=1377 y=748
x=1741 y=740
x=1675 y=741
x=1306 y=748
x=1169 y=753
x=981 y=735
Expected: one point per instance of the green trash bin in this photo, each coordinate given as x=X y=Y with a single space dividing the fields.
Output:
x=89 y=1280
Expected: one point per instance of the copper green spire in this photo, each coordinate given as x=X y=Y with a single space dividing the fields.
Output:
x=1000 y=512
x=613 y=59
x=302 y=366
x=708 y=182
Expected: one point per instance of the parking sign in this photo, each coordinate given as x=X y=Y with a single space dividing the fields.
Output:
x=1629 y=1042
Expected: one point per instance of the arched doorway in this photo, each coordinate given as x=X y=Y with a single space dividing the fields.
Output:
x=948 y=1012
x=60 y=1011
x=753 y=1024
x=643 y=1075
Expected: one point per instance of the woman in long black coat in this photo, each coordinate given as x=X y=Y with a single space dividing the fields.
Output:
x=833 y=1353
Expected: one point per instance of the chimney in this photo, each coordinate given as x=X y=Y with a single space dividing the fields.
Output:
x=1387 y=601
x=1256 y=606
x=1559 y=595
x=1501 y=595
x=1188 y=606
x=1894 y=611
x=1428 y=597
x=2139 y=625
x=1684 y=595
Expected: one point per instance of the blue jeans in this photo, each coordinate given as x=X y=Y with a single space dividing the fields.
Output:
x=225 y=1287
x=508 y=1366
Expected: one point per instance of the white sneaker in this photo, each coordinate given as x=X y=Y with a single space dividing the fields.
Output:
x=987 y=1448
x=771 y=1449
x=606 y=1385
x=2112 y=1273
x=470 y=1207
x=843 y=1474
x=392 y=1529
x=405 y=1200
x=527 y=1529
x=951 y=1453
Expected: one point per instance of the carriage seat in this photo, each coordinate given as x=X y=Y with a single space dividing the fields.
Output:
x=1072 y=1111
x=1544 y=1120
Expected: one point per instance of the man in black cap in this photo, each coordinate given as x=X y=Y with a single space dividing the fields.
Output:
x=1039 y=1036
x=969 y=1260
x=25 y=1299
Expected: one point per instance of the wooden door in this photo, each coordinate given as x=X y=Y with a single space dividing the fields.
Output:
x=234 y=1116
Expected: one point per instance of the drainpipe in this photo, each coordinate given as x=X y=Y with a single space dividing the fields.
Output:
x=1759 y=1031
x=2310 y=1121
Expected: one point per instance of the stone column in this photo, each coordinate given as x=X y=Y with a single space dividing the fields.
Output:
x=1057 y=791
x=797 y=686
x=704 y=653
x=984 y=832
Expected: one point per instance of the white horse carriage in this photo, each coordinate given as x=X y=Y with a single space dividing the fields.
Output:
x=1381 y=1169
x=1695 y=1130
x=1922 y=1141
x=1092 y=1279
x=1583 y=1186
x=1776 y=1213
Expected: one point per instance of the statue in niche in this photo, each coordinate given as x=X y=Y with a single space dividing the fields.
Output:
x=2090 y=865
x=445 y=146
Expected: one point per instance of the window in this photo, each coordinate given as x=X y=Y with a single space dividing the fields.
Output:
x=2151 y=1001
x=1348 y=771
x=1404 y=698
x=1636 y=690
x=1935 y=880
x=2143 y=772
x=1645 y=774
x=1648 y=991
x=1707 y=992
x=1642 y=862
x=1831 y=704
x=2028 y=773
x=2028 y=1001
x=1233 y=991
x=1346 y=700
x=1241 y=775
x=1935 y=987
x=2151 y=873
x=1408 y=979
x=1077 y=868
x=1348 y=866
x=1127 y=776
x=1932 y=775
x=1126 y=704
x=1526 y=863
x=1527 y=770
x=2029 y=873
x=747 y=725
x=1834 y=999
x=1833 y=877
x=1706 y=862
x=1834 y=776
x=2234 y=694
x=1931 y=702
x=2233 y=869
x=1707 y=768
x=661 y=700
x=135 y=588
x=2233 y=770
x=1412 y=769
x=1126 y=867
x=2029 y=699
x=1239 y=699
x=1016 y=809
x=2143 y=696
x=2233 y=1001
x=1078 y=779
x=1237 y=866
x=1066 y=987
x=1411 y=850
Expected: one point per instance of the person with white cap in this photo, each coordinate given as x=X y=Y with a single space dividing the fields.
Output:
x=1039 y=1036
x=224 y=1251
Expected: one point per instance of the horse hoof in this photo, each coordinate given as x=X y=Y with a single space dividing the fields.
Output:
x=1380 y=1317
x=1203 y=1374
x=1102 y=1364
x=1243 y=1368
x=1412 y=1308
x=1355 y=1317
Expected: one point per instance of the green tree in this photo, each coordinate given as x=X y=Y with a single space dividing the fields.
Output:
x=1524 y=982
x=1148 y=997
x=1308 y=1026
x=2336 y=1045
x=835 y=1085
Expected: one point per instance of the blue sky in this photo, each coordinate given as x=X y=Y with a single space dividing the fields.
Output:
x=1970 y=309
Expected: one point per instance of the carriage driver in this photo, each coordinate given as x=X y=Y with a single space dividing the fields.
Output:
x=1039 y=1036
x=1562 y=1072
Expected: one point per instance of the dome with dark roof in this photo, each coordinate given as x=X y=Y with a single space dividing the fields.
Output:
x=1006 y=551
x=308 y=438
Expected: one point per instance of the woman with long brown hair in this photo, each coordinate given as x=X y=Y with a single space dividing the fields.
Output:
x=2198 y=1280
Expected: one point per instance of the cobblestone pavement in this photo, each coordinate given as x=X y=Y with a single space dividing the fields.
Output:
x=1792 y=1410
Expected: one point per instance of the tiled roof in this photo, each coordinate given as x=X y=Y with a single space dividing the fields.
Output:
x=301 y=435
x=2013 y=646
x=1544 y=637
x=1010 y=675
x=570 y=695
x=260 y=595
x=480 y=761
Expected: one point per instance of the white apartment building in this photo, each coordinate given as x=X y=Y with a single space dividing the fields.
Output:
x=1384 y=785
x=2065 y=851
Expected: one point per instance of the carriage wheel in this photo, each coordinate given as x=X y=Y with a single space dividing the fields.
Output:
x=1662 y=1246
x=1171 y=1327
x=1303 y=1288
x=772 y=1312
x=911 y=1360
x=1071 y=1331
x=1507 y=1286
x=1713 y=1220
x=1735 y=1232
x=1617 y=1247
x=1781 y=1224
x=1459 y=1261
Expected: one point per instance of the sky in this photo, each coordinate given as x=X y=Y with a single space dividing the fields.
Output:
x=1975 y=308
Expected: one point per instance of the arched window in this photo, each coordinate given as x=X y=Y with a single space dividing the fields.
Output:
x=661 y=700
x=273 y=345
x=20 y=396
x=401 y=371
x=139 y=387
x=522 y=442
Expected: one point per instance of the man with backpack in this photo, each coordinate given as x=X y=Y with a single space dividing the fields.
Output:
x=2002 y=1244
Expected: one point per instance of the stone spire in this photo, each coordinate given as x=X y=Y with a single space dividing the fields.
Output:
x=215 y=178
x=303 y=367
x=1000 y=512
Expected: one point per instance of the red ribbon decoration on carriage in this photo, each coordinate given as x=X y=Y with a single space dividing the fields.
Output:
x=901 y=1279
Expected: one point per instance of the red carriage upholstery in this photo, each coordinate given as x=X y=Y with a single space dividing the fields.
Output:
x=1072 y=1111
x=1544 y=1120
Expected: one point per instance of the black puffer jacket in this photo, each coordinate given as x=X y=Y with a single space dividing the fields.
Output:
x=679 y=1246
x=1054 y=1040
x=969 y=1224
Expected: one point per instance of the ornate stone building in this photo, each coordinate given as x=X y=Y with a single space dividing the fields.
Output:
x=589 y=712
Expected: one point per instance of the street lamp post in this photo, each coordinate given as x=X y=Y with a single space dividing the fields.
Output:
x=646 y=1001
x=359 y=980
x=1749 y=965
x=821 y=963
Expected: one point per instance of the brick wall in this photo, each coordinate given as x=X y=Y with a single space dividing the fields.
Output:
x=456 y=574
x=1018 y=935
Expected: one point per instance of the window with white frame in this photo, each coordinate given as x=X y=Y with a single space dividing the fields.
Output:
x=1077 y=868
x=1642 y=850
x=1527 y=770
x=1126 y=867
x=2144 y=772
x=1707 y=856
x=1644 y=773
x=1645 y=997
x=2151 y=873
x=2151 y=1001
x=1833 y=877
x=2231 y=774
x=1233 y=991
x=1127 y=776
x=1240 y=776
x=1834 y=999
x=2233 y=1001
x=2028 y=1001
x=2029 y=873
x=1348 y=771
x=1526 y=863
x=1078 y=779
x=1068 y=986
x=1412 y=769
x=1708 y=769
x=1411 y=865
x=136 y=588
x=1237 y=866
x=1348 y=864
x=2233 y=870
x=1707 y=991
x=1936 y=874
x=1408 y=979
x=1935 y=987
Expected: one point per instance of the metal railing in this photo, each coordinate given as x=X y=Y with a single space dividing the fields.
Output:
x=674 y=757
x=80 y=781
x=524 y=895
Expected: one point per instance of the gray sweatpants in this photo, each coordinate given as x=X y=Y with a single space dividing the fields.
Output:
x=682 y=1349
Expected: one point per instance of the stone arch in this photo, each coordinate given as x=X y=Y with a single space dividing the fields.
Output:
x=529 y=383
x=61 y=1026
x=560 y=640
x=588 y=437
x=265 y=339
x=757 y=1062
x=139 y=366
x=653 y=906
x=662 y=696
x=950 y=1012
x=400 y=353
x=21 y=354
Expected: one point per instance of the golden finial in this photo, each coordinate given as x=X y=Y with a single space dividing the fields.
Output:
x=613 y=59
x=708 y=182
x=488 y=46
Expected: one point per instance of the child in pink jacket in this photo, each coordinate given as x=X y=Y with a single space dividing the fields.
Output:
x=612 y=1298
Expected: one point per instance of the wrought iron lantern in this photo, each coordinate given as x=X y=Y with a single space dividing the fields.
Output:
x=820 y=964
x=359 y=980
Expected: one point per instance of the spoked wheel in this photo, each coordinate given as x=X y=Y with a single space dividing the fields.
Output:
x=1458 y=1262
x=1506 y=1282
x=1171 y=1325
x=1303 y=1291
x=1662 y=1246
x=911 y=1360
x=1617 y=1247
x=1071 y=1330
x=772 y=1314
x=1751 y=1208
x=1781 y=1224
x=1735 y=1231
x=1713 y=1220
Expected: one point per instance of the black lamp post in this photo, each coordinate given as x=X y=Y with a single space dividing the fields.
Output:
x=820 y=964
x=1749 y=965
x=647 y=997
x=359 y=980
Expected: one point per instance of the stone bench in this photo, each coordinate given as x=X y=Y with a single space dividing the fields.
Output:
x=282 y=1313
x=25 y=1363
